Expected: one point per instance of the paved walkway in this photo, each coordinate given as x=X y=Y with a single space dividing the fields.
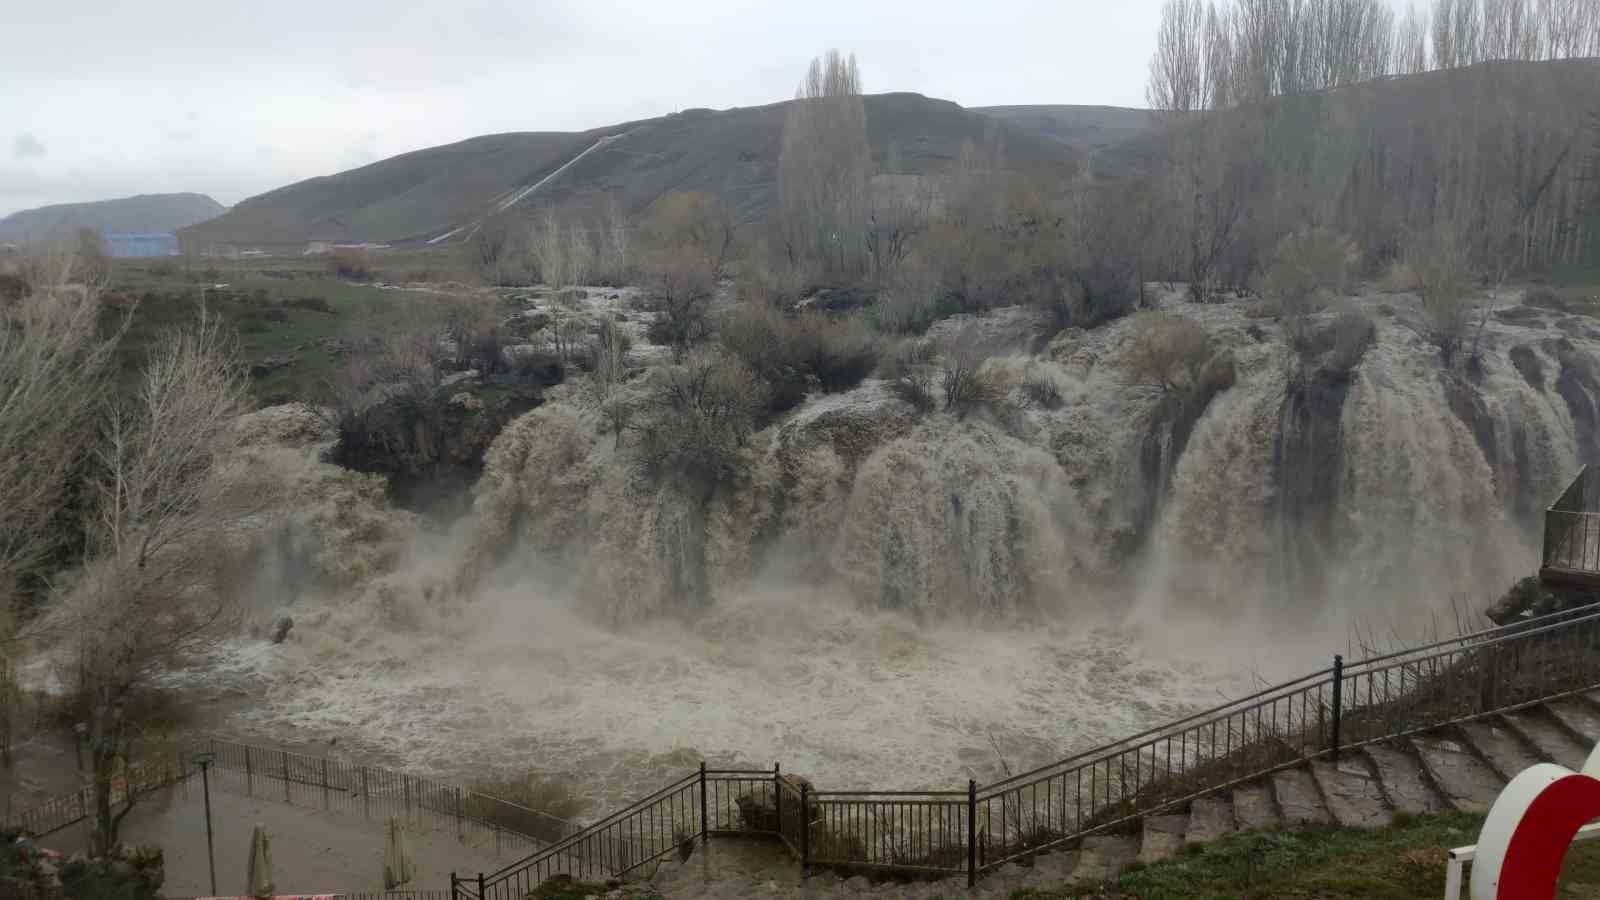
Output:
x=313 y=851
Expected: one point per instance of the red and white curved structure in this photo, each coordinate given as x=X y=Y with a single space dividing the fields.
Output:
x=1527 y=833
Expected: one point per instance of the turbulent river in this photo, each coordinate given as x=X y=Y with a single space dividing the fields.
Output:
x=893 y=600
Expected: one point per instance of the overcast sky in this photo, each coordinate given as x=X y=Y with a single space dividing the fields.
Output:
x=107 y=98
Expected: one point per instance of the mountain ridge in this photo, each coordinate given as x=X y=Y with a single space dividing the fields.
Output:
x=140 y=213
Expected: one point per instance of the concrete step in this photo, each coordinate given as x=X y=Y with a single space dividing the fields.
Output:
x=1548 y=738
x=1253 y=806
x=1102 y=857
x=1404 y=782
x=1502 y=747
x=1162 y=838
x=1056 y=867
x=1352 y=792
x=1579 y=716
x=1298 y=798
x=1467 y=783
x=1209 y=818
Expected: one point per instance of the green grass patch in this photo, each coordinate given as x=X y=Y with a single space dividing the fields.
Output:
x=1405 y=861
x=281 y=307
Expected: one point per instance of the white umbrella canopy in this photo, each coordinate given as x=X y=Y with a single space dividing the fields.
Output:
x=260 y=871
x=398 y=867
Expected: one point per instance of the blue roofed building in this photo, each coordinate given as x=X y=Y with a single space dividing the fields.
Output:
x=151 y=244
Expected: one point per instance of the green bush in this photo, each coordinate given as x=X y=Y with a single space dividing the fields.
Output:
x=796 y=353
x=315 y=304
x=696 y=416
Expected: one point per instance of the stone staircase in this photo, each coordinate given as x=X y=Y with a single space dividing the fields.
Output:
x=1461 y=767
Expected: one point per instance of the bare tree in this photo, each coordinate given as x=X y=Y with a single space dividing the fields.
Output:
x=1179 y=78
x=53 y=366
x=561 y=250
x=823 y=167
x=147 y=592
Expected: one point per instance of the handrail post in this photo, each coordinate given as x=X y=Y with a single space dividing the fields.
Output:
x=805 y=827
x=480 y=886
x=1338 y=703
x=453 y=886
x=972 y=832
x=705 y=823
x=777 y=799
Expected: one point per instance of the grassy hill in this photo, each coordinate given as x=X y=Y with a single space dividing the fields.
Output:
x=730 y=153
x=144 y=213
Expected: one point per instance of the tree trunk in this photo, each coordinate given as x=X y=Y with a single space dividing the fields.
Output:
x=105 y=825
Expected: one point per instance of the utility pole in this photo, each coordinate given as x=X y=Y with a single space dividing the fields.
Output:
x=204 y=760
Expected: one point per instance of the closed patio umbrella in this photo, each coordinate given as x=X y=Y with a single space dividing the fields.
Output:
x=398 y=868
x=260 y=871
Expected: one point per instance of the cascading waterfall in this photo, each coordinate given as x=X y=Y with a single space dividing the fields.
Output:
x=878 y=591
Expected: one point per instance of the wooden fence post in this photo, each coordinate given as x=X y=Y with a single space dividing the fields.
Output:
x=405 y=782
x=324 y=783
x=249 y=774
x=366 y=798
x=284 y=755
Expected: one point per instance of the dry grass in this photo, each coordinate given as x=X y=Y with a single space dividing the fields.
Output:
x=529 y=804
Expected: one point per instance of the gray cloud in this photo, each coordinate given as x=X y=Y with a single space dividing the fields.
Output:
x=236 y=99
x=27 y=146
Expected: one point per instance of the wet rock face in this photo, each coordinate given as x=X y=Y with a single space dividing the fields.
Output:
x=432 y=453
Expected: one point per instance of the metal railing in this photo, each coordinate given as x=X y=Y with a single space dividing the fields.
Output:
x=159 y=771
x=707 y=801
x=376 y=793
x=320 y=783
x=1572 y=527
x=1339 y=708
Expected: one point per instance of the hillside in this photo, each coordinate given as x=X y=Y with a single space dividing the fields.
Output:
x=143 y=213
x=730 y=153
x=1114 y=140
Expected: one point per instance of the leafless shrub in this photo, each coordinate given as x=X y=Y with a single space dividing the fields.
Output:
x=688 y=237
x=1308 y=269
x=1042 y=390
x=909 y=300
x=351 y=264
x=911 y=369
x=770 y=279
x=966 y=385
x=1349 y=336
x=1167 y=352
x=1438 y=256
